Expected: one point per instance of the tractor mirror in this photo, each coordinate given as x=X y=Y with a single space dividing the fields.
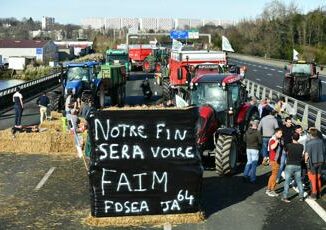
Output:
x=180 y=74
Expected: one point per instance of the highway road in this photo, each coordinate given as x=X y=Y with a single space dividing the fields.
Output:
x=63 y=201
x=272 y=77
x=134 y=97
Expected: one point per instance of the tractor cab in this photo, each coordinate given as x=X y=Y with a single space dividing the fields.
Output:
x=224 y=92
x=80 y=76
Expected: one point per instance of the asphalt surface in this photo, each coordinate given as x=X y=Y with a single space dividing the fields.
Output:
x=272 y=76
x=63 y=202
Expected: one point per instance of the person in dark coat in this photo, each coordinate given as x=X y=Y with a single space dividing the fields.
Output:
x=253 y=140
x=315 y=158
x=17 y=98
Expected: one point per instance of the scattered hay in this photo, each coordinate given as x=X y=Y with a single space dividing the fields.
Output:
x=52 y=139
x=152 y=220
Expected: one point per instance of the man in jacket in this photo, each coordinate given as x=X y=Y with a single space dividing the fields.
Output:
x=315 y=158
x=253 y=141
x=275 y=147
x=293 y=167
x=288 y=130
x=43 y=102
x=267 y=126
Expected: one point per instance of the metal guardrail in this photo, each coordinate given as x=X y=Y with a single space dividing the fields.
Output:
x=28 y=89
x=304 y=114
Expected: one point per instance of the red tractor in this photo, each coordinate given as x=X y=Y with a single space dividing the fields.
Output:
x=224 y=117
x=221 y=97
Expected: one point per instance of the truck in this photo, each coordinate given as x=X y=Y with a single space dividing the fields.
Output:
x=118 y=56
x=157 y=59
x=203 y=79
x=302 y=79
x=137 y=55
x=178 y=75
x=91 y=80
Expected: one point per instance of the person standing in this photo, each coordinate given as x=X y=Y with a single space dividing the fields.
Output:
x=68 y=107
x=315 y=158
x=275 y=147
x=287 y=130
x=293 y=167
x=43 y=102
x=303 y=140
x=17 y=98
x=253 y=140
x=267 y=125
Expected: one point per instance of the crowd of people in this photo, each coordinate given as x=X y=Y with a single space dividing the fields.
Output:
x=291 y=153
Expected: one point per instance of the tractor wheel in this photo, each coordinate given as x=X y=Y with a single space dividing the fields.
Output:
x=225 y=154
x=121 y=95
x=166 y=89
x=101 y=95
x=54 y=100
x=114 y=96
x=315 y=90
x=287 y=86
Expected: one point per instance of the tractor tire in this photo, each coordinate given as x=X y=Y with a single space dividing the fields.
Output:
x=121 y=96
x=101 y=96
x=315 y=90
x=54 y=97
x=288 y=86
x=225 y=154
x=166 y=89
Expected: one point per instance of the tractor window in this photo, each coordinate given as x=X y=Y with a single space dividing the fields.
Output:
x=210 y=93
x=78 y=73
x=301 y=68
x=234 y=97
x=117 y=57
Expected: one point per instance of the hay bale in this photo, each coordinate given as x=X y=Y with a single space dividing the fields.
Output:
x=151 y=220
x=47 y=142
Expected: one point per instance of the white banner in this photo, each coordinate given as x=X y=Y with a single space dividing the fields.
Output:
x=295 y=55
x=176 y=45
x=226 y=46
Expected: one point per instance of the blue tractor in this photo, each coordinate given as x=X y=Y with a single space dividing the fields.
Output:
x=91 y=80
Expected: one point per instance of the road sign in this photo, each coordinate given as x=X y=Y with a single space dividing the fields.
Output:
x=193 y=34
x=179 y=34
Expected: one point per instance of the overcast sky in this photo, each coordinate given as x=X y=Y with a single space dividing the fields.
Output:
x=72 y=11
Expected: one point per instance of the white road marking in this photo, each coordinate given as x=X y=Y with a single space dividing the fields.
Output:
x=258 y=79
x=272 y=69
x=260 y=66
x=280 y=71
x=323 y=82
x=254 y=70
x=44 y=179
x=313 y=204
x=265 y=68
x=254 y=65
x=279 y=86
x=269 y=74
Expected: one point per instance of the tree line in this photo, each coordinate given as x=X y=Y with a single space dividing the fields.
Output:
x=274 y=34
x=280 y=29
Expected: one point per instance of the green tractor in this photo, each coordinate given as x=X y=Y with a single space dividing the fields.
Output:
x=118 y=56
x=114 y=78
x=155 y=61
